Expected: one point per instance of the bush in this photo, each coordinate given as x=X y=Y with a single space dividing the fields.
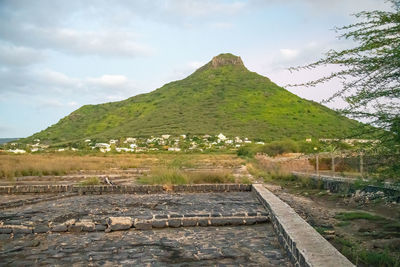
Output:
x=279 y=147
x=211 y=177
x=247 y=151
x=170 y=176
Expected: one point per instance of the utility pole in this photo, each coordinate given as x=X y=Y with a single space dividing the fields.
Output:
x=333 y=163
x=317 y=163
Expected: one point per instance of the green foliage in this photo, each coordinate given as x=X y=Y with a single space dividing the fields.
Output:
x=226 y=98
x=364 y=257
x=370 y=74
x=170 y=176
x=279 y=147
x=247 y=151
x=163 y=176
x=349 y=216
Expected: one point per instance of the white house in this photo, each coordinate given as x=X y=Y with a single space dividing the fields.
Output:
x=87 y=140
x=130 y=140
x=238 y=140
x=120 y=149
x=104 y=150
x=102 y=145
x=113 y=141
x=17 y=151
x=229 y=141
x=221 y=137
x=133 y=145
x=176 y=149
x=260 y=143
x=165 y=136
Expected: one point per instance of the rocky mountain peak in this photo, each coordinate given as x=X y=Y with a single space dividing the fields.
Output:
x=226 y=59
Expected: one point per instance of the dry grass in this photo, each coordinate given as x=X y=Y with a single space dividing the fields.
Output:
x=90 y=181
x=169 y=176
x=59 y=164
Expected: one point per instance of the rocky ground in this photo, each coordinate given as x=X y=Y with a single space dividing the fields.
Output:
x=251 y=245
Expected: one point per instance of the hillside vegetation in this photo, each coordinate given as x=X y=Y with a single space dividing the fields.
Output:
x=222 y=96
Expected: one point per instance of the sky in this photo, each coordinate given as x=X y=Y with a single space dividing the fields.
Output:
x=57 y=55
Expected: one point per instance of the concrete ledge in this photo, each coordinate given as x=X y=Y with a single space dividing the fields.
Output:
x=305 y=246
x=121 y=189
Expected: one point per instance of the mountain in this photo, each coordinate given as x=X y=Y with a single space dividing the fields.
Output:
x=222 y=96
x=6 y=140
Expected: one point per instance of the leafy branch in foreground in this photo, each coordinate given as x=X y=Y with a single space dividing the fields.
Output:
x=370 y=74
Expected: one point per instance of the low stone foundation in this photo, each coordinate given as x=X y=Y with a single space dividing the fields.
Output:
x=125 y=223
x=122 y=189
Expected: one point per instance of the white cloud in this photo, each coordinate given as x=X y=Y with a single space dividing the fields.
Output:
x=193 y=65
x=105 y=42
x=109 y=80
x=289 y=53
x=19 y=55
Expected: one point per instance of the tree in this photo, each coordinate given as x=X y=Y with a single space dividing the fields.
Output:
x=370 y=74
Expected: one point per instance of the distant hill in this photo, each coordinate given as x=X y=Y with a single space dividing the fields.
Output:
x=6 y=140
x=222 y=96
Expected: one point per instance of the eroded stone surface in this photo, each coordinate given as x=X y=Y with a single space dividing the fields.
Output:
x=240 y=245
x=98 y=207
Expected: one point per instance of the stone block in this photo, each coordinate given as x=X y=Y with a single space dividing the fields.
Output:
x=174 y=223
x=262 y=219
x=189 y=222
x=159 y=223
x=39 y=229
x=219 y=221
x=236 y=221
x=5 y=230
x=143 y=225
x=59 y=228
x=119 y=223
x=202 y=222
x=250 y=221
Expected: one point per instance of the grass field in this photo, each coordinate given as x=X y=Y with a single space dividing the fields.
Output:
x=59 y=164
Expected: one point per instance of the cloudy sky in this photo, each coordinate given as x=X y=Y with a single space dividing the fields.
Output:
x=58 y=55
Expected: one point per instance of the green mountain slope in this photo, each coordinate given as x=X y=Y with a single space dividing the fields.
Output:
x=222 y=96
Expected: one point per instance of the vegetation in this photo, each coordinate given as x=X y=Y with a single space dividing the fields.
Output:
x=272 y=149
x=363 y=257
x=348 y=216
x=170 y=176
x=59 y=164
x=90 y=181
x=370 y=73
x=225 y=98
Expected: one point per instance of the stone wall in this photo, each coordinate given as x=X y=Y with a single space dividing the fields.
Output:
x=348 y=186
x=125 y=223
x=122 y=189
x=304 y=245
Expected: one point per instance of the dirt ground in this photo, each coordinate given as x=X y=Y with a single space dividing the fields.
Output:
x=321 y=209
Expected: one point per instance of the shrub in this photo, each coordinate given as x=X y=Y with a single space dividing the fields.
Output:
x=247 y=151
x=211 y=177
x=279 y=147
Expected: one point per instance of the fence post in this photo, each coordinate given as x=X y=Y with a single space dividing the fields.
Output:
x=361 y=164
